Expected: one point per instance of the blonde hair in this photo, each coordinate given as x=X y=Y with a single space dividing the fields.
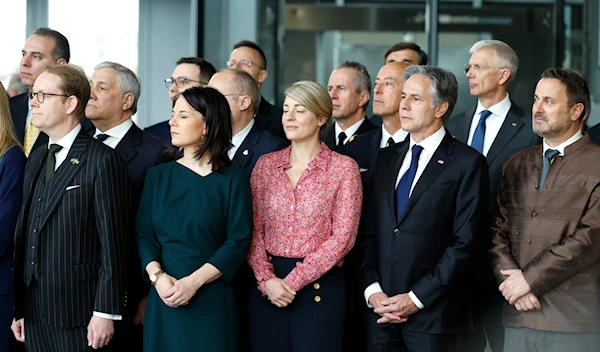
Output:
x=7 y=132
x=314 y=97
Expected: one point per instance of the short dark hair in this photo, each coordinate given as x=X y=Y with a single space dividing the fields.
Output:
x=61 y=44
x=207 y=70
x=244 y=84
x=252 y=45
x=73 y=81
x=444 y=86
x=215 y=109
x=576 y=84
x=407 y=45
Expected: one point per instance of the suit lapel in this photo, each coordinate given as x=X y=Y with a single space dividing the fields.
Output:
x=131 y=139
x=465 y=126
x=65 y=173
x=244 y=153
x=32 y=171
x=511 y=125
x=394 y=169
x=375 y=142
x=439 y=160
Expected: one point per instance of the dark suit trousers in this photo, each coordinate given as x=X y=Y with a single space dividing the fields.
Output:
x=394 y=338
x=314 y=322
x=41 y=337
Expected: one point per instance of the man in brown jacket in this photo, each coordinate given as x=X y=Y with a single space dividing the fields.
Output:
x=546 y=229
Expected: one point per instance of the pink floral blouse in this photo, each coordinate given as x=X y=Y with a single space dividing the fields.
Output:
x=317 y=220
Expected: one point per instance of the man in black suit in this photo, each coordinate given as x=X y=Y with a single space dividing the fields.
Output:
x=189 y=72
x=114 y=95
x=349 y=87
x=70 y=241
x=413 y=271
x=250 y=58
x=498 y=129
x=594 y=133
x=249 y=142
x=386 y=103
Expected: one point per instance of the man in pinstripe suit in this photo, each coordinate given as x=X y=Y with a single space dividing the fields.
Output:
x=70 y=241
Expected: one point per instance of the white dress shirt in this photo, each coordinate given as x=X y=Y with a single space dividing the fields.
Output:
x=492 y=124
x=350 y=131
x=116 y=133
x=398 y=137
x=66 y=143
x=561 y=147
x=238 y=139
x=430 y=145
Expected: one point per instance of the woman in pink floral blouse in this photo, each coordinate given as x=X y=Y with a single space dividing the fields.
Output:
x=307 y=202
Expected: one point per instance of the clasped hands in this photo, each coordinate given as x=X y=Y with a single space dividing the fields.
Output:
x=395 y=309
x=517 y=291
x=175 y=293
x=280 y=292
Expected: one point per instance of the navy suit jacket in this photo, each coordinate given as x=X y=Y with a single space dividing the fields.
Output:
x=594 y=133
x=431 y=248
x=515 y=135
x=330 y=138
x=19 y=106
x=161 y=130
x=256 y=144
x=363 y=149
x=268 y=118
x=12 y=170
x=140 y=151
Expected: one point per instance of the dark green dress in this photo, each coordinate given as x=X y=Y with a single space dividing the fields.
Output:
x=184 y=221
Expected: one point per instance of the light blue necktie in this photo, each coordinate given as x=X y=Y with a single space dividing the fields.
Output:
x=479 y=135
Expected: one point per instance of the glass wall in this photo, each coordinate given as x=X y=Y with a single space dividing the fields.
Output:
x=13 y=16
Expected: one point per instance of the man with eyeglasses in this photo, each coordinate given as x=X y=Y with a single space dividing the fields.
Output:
x=71 y=234
x=249 y=57
x=44 y=47
x=498 y=129
x=189 y=72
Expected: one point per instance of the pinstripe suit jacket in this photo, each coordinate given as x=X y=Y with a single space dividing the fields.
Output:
x=82 y=235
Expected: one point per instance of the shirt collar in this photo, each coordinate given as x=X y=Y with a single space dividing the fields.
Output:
x=241 y=135
x=563 y=145
x=431 y=143
x=350 y=131
x=67 y=141
x=398 y=137
x=320 y=161
x=499 y=109
x=118 y=131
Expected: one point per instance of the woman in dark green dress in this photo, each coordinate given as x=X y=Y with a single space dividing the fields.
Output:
x=194 y=230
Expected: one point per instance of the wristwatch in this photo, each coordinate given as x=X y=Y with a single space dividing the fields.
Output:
x=154 y=277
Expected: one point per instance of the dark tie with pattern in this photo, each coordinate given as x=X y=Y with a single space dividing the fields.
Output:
x=390 y=142
x=479 y=135
x=405 y=184
x=549 y=155
x=102 y=137
x=340 y=144
x=51 y=160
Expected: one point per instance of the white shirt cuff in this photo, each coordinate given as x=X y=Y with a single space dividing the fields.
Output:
x=415 y=300
x=108 y=316
x=371 y=290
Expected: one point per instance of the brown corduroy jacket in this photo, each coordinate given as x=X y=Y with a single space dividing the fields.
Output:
x=553 y=236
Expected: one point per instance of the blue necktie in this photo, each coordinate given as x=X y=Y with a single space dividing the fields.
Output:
x=405 y=184
x=102 y=137
x=479 y=135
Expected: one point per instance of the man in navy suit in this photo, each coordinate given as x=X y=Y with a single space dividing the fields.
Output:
x=386 y=103
x=189 y=72
x=498 y=129
x=349 y=87
x=425 y=211
x=250 y=58
x=114 y=95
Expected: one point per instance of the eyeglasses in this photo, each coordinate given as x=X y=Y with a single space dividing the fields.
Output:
x=479 y=68
x=180 y=82
x=41 y=95
x=246 y=63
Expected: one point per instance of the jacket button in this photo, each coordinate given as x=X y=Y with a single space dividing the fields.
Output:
x=317 y=299
x=528 y=241
x=34 y=230
x=537 y=186
x=269 y=258
x=317 y=286
x=534 y=214
x=396 y=232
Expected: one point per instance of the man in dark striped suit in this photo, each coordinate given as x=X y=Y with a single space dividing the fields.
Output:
x=70 y=241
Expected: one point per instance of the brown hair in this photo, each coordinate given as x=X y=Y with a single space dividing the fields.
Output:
x=73 y=82
x=7 y=133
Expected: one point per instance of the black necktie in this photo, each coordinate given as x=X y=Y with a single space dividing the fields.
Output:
x=549 y=155
x=51 y=160
x=102 y=137
x=340 y=145
x=390 y=142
